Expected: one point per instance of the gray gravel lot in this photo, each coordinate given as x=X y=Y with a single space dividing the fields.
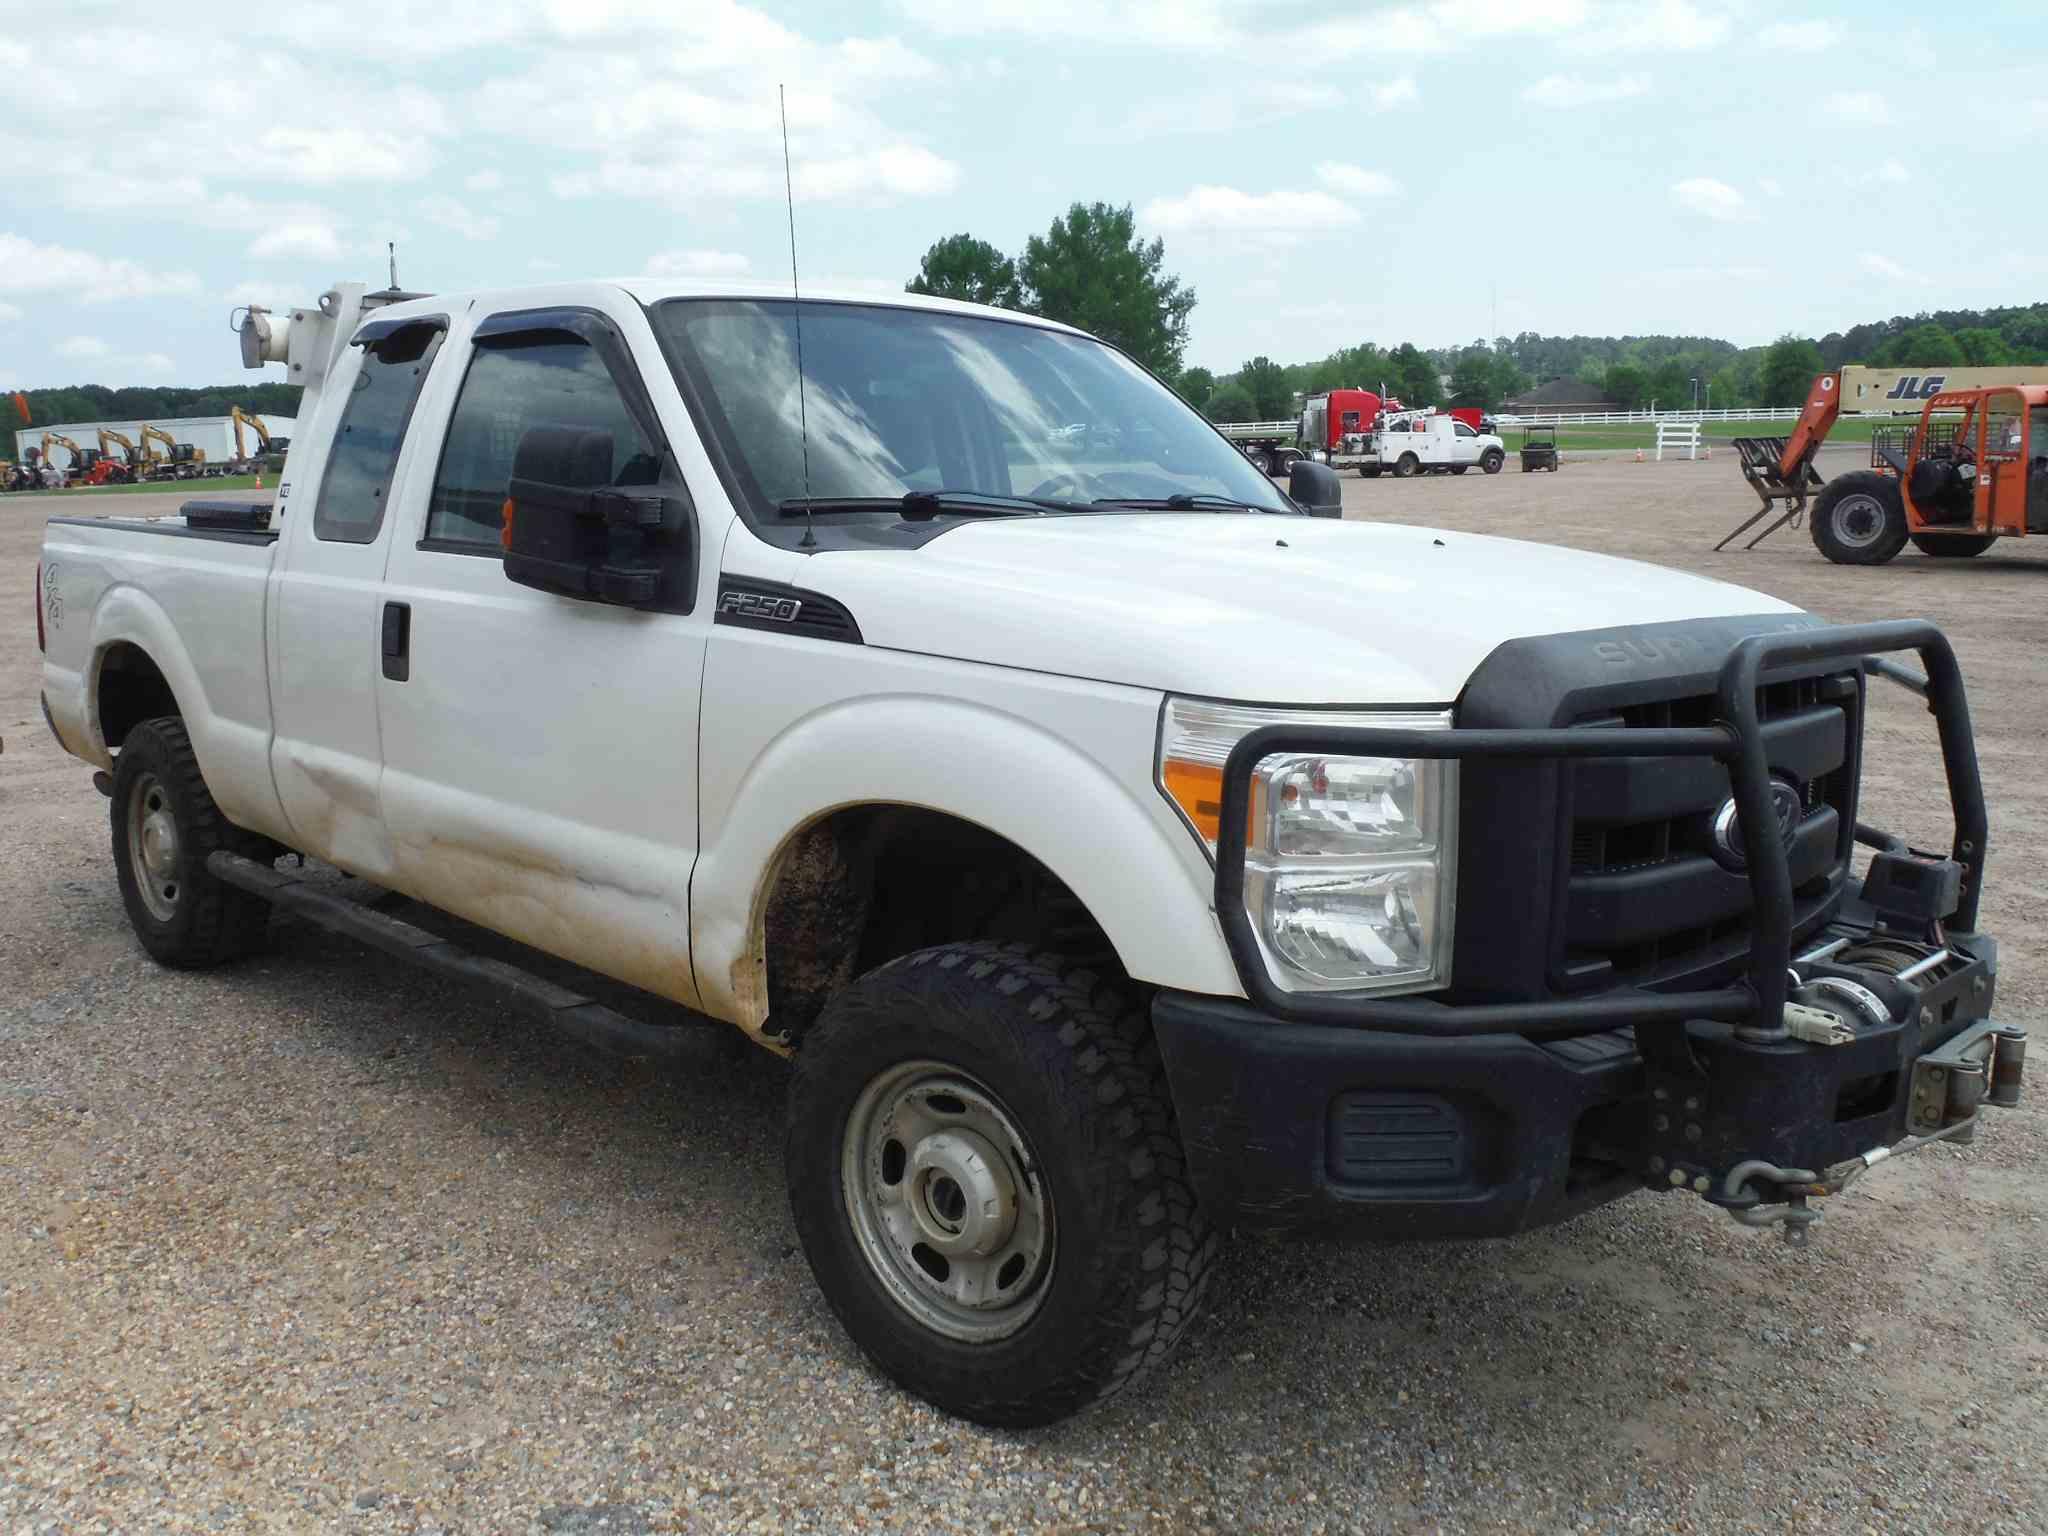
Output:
x=317 y=1242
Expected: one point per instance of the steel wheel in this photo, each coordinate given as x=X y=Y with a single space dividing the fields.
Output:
x=153 y=834
x=1859 y=521
x=947 y=1203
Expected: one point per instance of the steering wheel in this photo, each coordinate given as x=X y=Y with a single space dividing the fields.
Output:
x=1074 y=486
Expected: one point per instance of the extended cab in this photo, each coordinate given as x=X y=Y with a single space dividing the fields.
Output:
x=1122 y=854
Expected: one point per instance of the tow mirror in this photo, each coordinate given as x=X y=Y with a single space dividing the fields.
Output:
x=1315 y=488
x=570 y=531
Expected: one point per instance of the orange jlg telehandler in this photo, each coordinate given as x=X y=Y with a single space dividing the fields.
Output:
x=1973 y=469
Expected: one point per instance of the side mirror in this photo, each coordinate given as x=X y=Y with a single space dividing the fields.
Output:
x=1315 y=488
x=570 y=531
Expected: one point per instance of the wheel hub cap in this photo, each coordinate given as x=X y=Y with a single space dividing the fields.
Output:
x=1858 y=521
x=946 y=1202
x=153 y=843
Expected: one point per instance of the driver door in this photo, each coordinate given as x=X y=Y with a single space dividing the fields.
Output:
x=540 y=750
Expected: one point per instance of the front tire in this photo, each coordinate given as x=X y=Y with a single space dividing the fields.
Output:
x=165 y=824
x=1491 y=461
x=1860 y=519
x=986 y=1177
x=1953 y=546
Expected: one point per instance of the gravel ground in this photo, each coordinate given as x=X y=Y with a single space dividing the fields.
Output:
x=317 y=1242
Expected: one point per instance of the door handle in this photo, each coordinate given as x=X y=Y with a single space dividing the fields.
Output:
x=397 y=644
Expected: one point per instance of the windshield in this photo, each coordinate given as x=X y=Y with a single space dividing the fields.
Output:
x=901 y=400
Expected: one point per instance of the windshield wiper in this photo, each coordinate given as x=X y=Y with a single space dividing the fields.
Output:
x=1183 y=501
x=923 y=506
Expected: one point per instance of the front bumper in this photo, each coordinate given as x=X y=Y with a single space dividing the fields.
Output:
x=1314 y=1128
x=1429 y=1116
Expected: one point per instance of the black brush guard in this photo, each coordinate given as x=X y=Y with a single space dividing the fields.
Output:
x=1729 y=1103
x=1737 y=741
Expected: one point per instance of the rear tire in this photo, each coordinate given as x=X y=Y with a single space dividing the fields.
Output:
x=986 y=1177
x=1860 y=519
x=1406 y=466
x=1953 y=546
x=1369 y=471
x=1459 y=469
x=165 y=824
x=1491 y=461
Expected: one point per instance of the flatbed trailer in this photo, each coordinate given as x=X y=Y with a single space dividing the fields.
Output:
x=1272 y=445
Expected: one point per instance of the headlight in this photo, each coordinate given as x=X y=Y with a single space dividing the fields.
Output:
x=1348 y=860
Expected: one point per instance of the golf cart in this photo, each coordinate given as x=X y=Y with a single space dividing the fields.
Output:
x=1539 y=448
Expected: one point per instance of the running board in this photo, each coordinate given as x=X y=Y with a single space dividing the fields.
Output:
x=582 y=1018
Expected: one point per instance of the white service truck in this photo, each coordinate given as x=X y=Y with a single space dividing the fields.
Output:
x=1405 y=443
x=1122 y=853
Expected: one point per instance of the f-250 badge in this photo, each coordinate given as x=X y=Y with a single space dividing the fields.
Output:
x=760 y=605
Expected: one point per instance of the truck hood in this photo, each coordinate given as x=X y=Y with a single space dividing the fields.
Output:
x=1276 y=610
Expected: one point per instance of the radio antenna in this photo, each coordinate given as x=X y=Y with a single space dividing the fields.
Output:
x=810 y=538
x=391 y=250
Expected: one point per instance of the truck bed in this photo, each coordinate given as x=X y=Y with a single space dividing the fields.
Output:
x=197 y=596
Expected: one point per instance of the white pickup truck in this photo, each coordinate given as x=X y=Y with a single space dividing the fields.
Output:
x=1122 y=854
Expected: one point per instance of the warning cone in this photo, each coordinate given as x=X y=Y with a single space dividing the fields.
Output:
x=1639 y=455
x=259 y=479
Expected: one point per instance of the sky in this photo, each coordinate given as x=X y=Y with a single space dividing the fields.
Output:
x=1426 y=170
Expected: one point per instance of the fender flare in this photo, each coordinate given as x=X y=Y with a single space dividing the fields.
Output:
x=1137 y=870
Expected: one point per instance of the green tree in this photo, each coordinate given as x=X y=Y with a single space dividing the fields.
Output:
x=1508 y=379
x=1924 y=346
x=1196 y=385
x=962 y=267
x=1670 y=385
x=1626 y=385
x=1787 y=371
x=1091 y=270
x=1266 y=382
x=1983 y=347
x=1232 y=403
x=1474 y=381
x=1413 y=377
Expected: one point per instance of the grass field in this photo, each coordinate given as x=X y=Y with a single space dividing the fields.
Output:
x=197 y=489
x=1643 y=434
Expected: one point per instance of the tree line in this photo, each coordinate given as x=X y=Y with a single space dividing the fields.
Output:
x=96 y=402
x=1635 y=372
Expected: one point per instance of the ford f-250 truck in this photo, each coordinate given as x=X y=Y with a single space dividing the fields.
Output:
x=1122 y=854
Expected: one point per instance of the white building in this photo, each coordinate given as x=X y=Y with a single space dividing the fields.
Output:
x=214 y=435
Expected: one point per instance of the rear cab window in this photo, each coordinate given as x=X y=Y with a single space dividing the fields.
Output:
x=355 y=483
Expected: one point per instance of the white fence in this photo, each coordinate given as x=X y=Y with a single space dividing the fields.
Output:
x=1677 y=435
x=1605 y=418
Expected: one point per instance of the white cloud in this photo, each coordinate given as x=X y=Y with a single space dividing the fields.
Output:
x=297 y=240
x=1227 y=208
x=27 y=267
x=1885 y=267
x=1889 y=173
x=1575 y=91
x=1799 y=36
x=1664 y=26
x=83 y=347
x=1356 y=180
x=484 y=181
x=153 y=363
x=1770 y=186
x=1398 y=92
x=447 y=213
x=1711 y=199
x=1859 y=107
x=9 y=312
x=696 y=263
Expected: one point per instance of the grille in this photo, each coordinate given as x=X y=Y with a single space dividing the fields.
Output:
x=1646 y=902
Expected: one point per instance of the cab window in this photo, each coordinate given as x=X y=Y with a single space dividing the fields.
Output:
x=541 y=378
x=357 y=480
x=1464 y=430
